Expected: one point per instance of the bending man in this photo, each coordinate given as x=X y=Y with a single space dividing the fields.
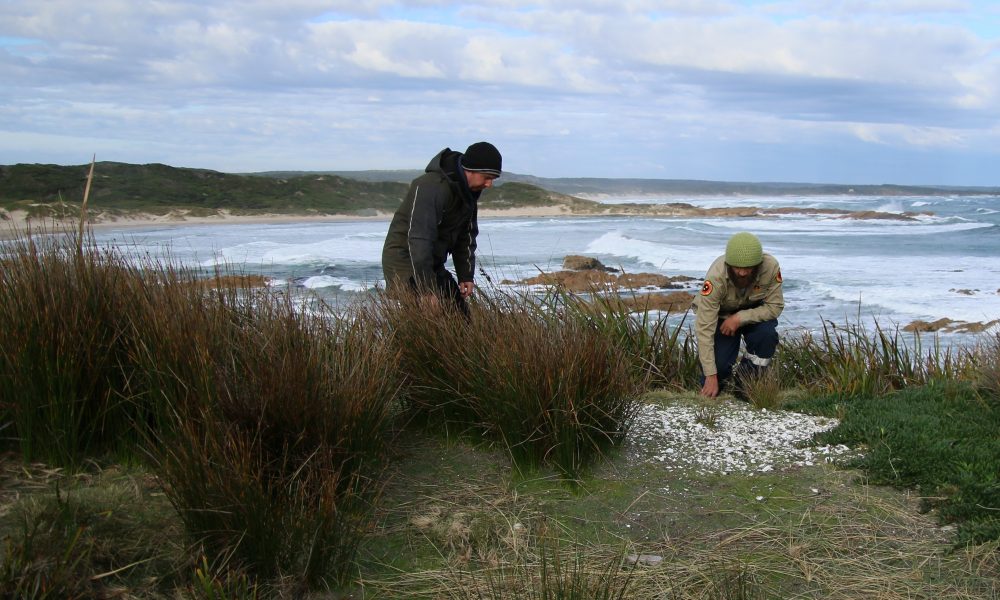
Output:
x=438 y=218
x=740 y=300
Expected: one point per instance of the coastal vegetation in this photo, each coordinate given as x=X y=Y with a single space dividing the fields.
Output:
x=123 y=191
x=170 y=435
x=120 y=189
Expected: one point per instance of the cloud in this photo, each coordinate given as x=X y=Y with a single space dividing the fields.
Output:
x=271 y=85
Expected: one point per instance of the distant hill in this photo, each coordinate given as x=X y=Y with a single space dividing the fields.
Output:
x=597 y=186
x=122 y=189
x=157 y=189
x=694 y=187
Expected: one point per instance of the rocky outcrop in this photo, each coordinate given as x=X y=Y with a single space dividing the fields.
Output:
x=589 y=280
x=946 y=325
x=639 y=291
x=575 y=262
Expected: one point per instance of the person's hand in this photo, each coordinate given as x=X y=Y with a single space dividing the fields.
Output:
x=711 y=387
x=466 y=288
x=730 y=325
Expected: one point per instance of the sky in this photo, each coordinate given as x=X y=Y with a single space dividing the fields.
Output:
x=823 y=91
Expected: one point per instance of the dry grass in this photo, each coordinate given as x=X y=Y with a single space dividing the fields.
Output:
x=462 y=527
x=845 y=540
x=763 y=387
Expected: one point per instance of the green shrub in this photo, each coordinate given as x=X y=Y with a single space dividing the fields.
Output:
x=940 y=439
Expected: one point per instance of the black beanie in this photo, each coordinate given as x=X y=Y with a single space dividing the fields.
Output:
x=482 y=157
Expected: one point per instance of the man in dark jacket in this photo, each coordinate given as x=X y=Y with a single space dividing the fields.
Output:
x=438 y=218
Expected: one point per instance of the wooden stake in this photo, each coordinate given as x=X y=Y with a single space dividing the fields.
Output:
x=83 y=207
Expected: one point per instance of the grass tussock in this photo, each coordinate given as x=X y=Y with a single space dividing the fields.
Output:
x=662 y=354
x=64 y=350
x=278 y=468
x=550 y=387
x=549 y=572
x=987 y=377
x=277 y=430
x=268 y=426
x=850 y=360
x=763 y=388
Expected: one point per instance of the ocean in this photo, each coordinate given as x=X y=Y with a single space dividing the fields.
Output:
x=846 y=271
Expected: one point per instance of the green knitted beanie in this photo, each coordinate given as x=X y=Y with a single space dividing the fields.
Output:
x=744 y=250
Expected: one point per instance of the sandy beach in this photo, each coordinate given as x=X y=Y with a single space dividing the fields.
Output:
x=15 y=222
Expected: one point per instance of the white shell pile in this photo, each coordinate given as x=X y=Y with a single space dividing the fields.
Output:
x=737 y=438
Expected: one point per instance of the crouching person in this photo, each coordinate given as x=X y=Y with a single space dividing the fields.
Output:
x=739 y=301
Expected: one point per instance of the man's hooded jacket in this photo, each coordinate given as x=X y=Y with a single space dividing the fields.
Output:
x=437 y=218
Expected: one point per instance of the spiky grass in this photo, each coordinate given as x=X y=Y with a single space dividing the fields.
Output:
x=763 y=387
x=269 y=425
x=987 y=371
x=547 y=386
x=277 y=457
x=850 y=360
x=63 y=349
x=554 y=572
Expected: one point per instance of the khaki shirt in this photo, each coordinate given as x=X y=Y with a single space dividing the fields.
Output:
x=720 y=298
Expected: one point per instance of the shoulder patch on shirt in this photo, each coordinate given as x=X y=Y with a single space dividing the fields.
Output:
x=706 y=288
x=778 y=276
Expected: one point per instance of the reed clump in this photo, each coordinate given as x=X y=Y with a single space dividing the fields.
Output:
x=850 y=360
x=987 y=371
x=549 y=387
x=267 y=426
x=665 y=355
x=65 y=350
x=273 y=456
